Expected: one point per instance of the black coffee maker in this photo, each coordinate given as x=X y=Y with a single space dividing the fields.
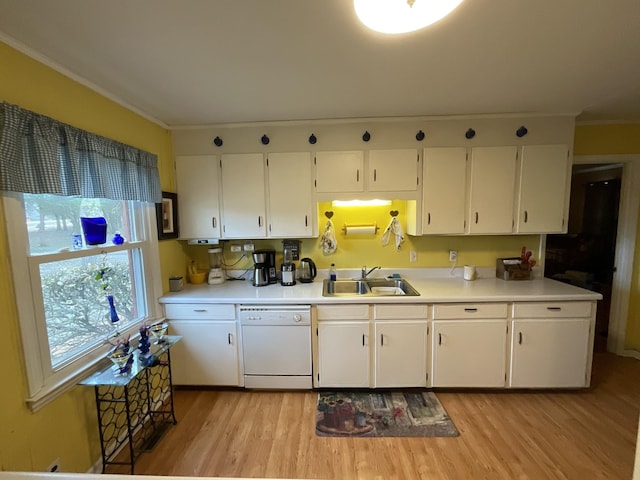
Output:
x=260 y=269
x=269 y=264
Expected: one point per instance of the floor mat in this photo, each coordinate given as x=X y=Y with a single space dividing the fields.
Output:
x=382 y=414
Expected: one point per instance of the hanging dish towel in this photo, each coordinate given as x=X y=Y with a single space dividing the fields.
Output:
x=396 y=228
x=328 y=240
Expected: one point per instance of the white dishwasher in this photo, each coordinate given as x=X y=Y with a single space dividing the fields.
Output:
x=276 y=346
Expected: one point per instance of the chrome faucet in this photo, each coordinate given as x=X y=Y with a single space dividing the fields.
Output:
x=365 y=273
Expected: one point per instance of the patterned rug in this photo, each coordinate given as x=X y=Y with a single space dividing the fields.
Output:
x=382 y=414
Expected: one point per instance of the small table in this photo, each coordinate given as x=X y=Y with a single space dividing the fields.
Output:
x=135 y=407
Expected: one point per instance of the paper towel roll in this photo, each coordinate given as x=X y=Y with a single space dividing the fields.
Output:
x=360 y=229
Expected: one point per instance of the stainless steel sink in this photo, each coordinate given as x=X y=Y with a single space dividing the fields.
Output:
x=344 y=287
x=370 y=288
x=391 y=286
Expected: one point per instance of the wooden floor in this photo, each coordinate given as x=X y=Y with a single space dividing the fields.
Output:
x=586 y=434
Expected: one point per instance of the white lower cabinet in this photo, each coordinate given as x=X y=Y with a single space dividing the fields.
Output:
x=343 y=346
x=208 y=351
x=469 y=343
x=343 y=354
x=396 y=355
x=480 y=345
x=400 y=345
x=551 y=345
x=400 y=354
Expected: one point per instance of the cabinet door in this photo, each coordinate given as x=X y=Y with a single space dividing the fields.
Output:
x=444 y=180
x=543 y=189
x=547 y=353
x=206 y=355
x=393 y=170
x=343 y=354
x=401 y=354
x=338 y=172
x=243 y=196
x=290 y=188
x=492 y=189
x=469 y=353
x=197 y=181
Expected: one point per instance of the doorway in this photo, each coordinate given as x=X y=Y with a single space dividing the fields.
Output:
x=585 y=255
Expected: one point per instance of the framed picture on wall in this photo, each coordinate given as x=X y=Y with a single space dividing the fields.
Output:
x=167 y=216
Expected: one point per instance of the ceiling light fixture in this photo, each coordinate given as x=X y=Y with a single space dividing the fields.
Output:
x=376 y=202
x=402 y=16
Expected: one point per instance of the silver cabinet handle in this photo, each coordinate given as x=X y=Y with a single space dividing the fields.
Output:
x=375 y=174
x=259 y=220
x=358 y=175
x=519 y=338
x=476 y=217
x=363 y=339
x=381 y=340
x=471 y=310
x=554 y=309
x=439 y=339
x=200 y=310
x=429 y=218
x=526 y=216
x=229 y=338
x=306 y=221
x=213 y=222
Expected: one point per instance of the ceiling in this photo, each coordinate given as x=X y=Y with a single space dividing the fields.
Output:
x=204 y=62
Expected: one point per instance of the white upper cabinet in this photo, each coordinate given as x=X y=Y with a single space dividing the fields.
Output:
x=444 y=180
x=197 y=179
x=393 y=170
x=543 y=189
x=492 y=190
x=243 y=196
x=291 y=206
x=338 y=172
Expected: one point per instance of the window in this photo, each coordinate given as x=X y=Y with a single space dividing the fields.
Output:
x=62 y=287
x=53 y=174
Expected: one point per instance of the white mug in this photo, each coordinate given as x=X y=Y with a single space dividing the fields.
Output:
x=469 y=272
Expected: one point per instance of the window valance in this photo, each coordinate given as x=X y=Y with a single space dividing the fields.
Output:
x=41 y=155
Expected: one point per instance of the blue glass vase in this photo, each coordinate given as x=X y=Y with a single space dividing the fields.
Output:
x=94 y=230
x=112 y=310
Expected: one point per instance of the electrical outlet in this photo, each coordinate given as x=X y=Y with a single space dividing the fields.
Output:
x=236 y=248
x=413 y=256
x=248 y=247
x=453 y=255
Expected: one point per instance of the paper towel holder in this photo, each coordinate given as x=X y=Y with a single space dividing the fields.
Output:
x=360 y=229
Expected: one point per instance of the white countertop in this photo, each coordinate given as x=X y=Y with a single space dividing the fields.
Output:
x=433 y=289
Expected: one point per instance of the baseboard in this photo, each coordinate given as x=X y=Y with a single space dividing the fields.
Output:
x=96 y=467
x=631 y=353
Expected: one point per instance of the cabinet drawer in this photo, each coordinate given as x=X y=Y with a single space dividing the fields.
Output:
x=205 y=311
x=551 y=309
x=468 y=311
x=399 y=312
x=343 y=312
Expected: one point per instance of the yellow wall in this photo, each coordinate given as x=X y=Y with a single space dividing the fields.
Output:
x=609 y=140
x=66 y=428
